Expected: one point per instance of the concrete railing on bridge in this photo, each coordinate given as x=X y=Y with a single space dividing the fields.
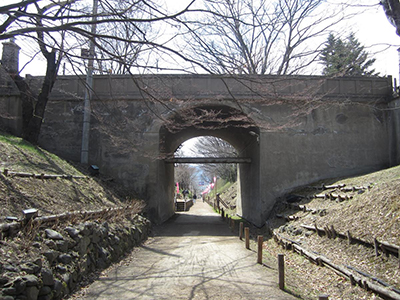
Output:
x=200 y=87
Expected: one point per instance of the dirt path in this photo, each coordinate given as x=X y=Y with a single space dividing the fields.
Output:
x=192 y=256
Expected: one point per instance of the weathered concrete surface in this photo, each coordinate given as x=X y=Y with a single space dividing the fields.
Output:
x=295 y=129
x=193 y=256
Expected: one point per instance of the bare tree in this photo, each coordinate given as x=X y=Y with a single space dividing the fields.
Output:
x=61 y=28
x=210 y=146
x=260 y=37
x=185 y=175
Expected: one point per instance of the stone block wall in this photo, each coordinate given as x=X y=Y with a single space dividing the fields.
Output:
x=67 y=255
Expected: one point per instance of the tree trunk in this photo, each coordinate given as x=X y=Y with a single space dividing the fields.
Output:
x=392 y=11
x=33 y=130
x=27 y=99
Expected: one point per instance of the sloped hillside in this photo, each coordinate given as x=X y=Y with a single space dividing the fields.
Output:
x=366 y=208
x=49 y=196
x=51 y=257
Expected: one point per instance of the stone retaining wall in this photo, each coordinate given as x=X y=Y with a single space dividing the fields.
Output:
x=67 y=255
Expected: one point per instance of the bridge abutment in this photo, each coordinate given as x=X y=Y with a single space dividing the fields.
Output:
x=296 y=130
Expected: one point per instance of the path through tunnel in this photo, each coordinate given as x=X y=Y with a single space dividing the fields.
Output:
x=224 y=122
x=205 y=166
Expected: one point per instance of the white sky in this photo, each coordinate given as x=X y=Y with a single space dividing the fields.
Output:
x=379 y=37
x=371 y=28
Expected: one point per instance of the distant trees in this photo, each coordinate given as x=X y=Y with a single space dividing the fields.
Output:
x=210 y=146
x=279 y=37
x=346 y=58
x=185 y=175
x=259 y=37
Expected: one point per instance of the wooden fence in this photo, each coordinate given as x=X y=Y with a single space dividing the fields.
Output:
x=362 y=279
x=6 y=172
x=11 y=229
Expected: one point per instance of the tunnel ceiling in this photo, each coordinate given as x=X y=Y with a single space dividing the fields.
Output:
x=208 y=118
x=224 y=122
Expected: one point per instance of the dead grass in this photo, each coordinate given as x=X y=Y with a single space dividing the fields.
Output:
x=49 y=196
x=370 y=214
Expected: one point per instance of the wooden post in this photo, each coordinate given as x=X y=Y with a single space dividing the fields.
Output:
x=259 y=252
x=323 y=297
x=241 y=231
x=349 y=237
x=281 y=271
x=222 y=214
x=376 y=247
x=333 y=231
x=316 y=229
x=247 y=237
x=398 y=255
x=5 y=172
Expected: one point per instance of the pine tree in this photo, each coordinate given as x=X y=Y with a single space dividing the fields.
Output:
x=346 y=58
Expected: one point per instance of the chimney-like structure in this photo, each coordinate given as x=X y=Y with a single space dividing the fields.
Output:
x=10 y=57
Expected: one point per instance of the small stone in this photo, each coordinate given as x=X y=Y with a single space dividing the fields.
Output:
x=32 y=292
x=19 y=284
x=103 y=253
x=57 y=288
x=95 y=237
x=38 y=262
x=62 y=245
x=105 y=225
x=10 y=268
x=30 y=268
x=309 y=233
x=65 y=258
x=51 y=244
x=30 y=280
x=47 y=277
x=101 y=264
x=36 y=245
x=85 y=229
x=73 y=232
x=83 y=245
x=61 y=269
x=10 y=291
x=45 y=290
x=51 y=256
x=3 y=280
x=54 y=235
x=67 y=278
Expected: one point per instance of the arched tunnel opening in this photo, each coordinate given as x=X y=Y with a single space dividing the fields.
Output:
x=224 y=122
x=206 y=167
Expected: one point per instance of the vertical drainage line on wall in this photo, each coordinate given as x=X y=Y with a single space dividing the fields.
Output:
x=88 y=91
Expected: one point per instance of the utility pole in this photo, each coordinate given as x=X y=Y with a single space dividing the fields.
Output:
x=88 y=91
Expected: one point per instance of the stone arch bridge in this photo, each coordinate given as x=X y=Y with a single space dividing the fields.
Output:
x=288 y=131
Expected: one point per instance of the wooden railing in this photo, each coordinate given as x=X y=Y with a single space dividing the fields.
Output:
x=6 y=172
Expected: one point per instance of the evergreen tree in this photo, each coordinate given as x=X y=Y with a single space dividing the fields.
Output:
x=346 y=58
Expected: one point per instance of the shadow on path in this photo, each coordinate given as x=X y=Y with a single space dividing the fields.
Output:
x=194 y=255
